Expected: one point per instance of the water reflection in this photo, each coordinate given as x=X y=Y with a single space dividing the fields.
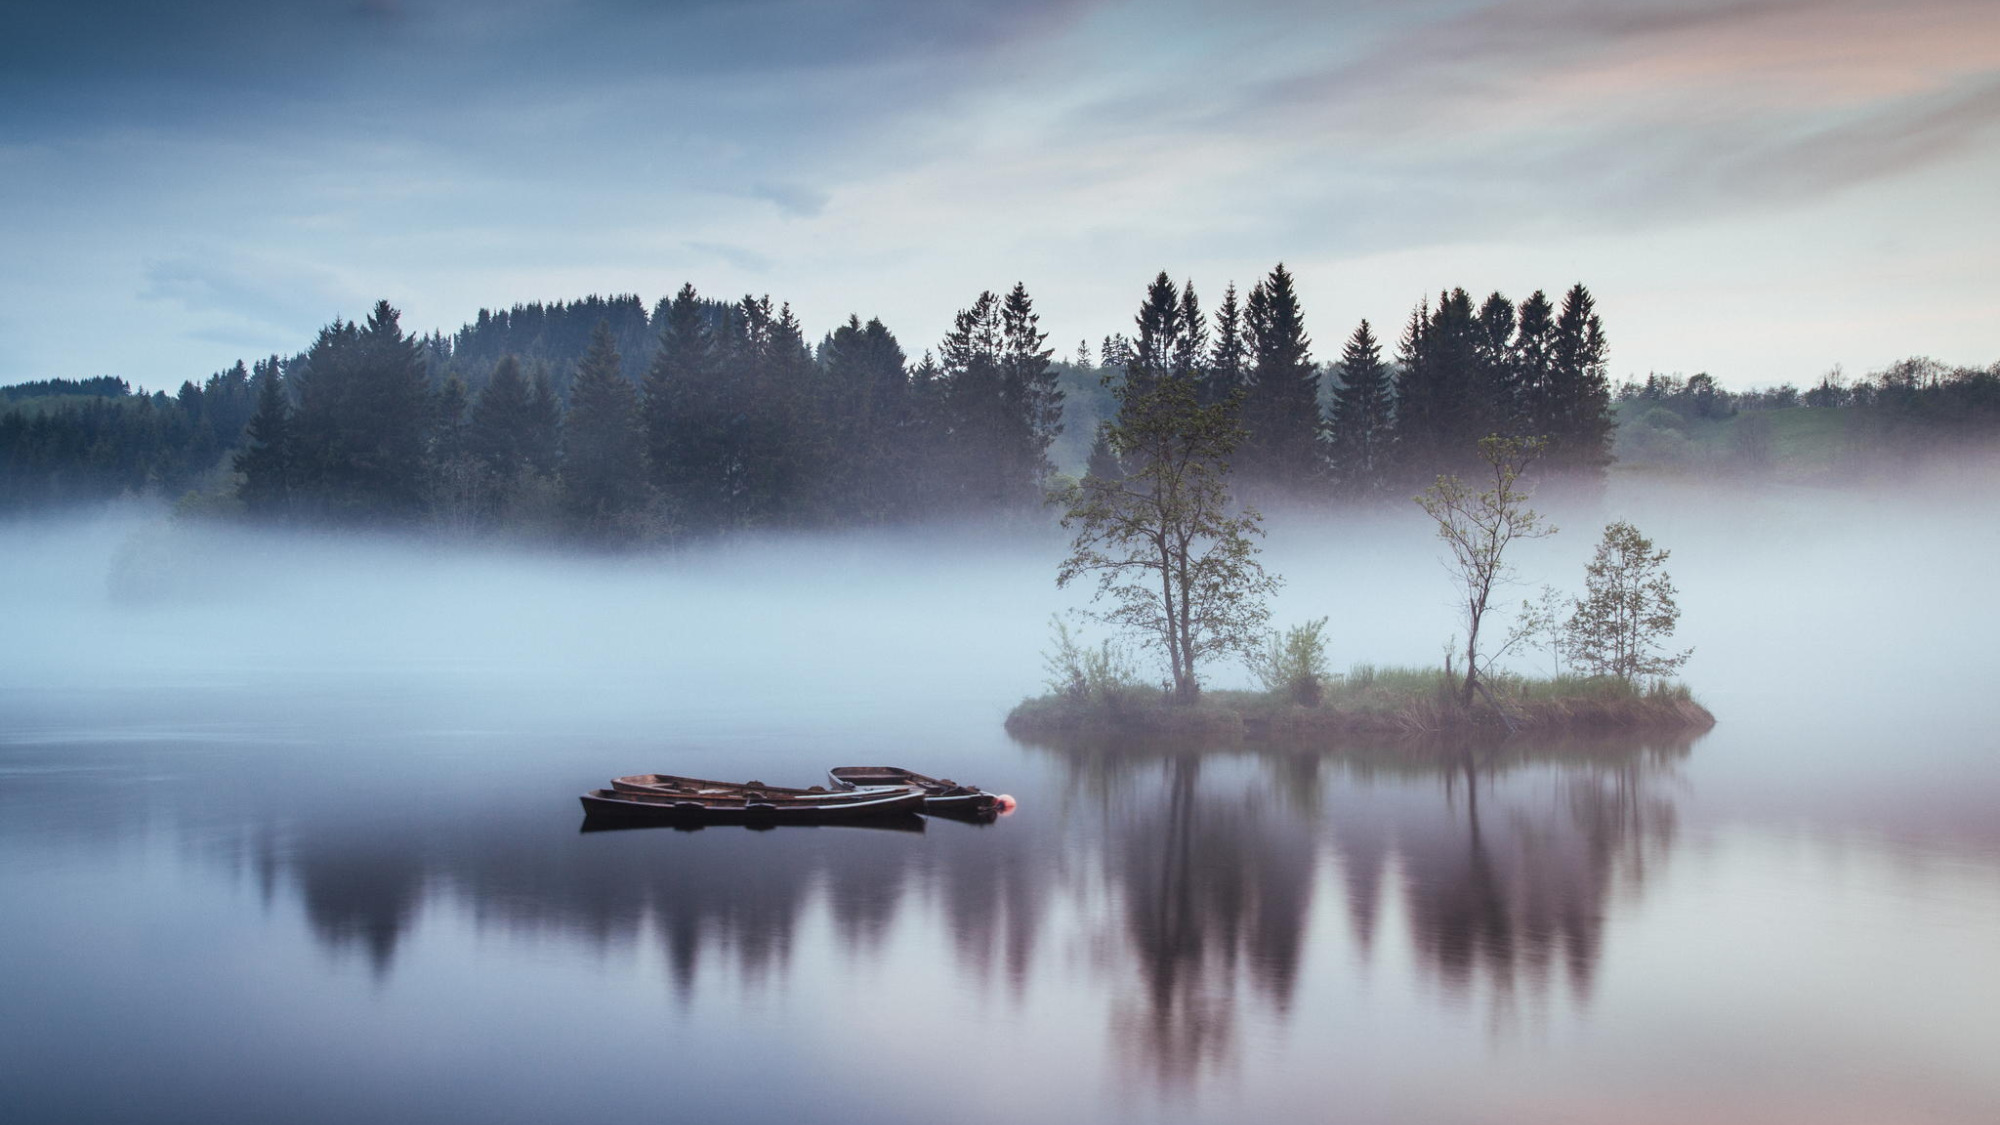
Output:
x=1215 y=889
x=1190 y=877
x=1502 y=863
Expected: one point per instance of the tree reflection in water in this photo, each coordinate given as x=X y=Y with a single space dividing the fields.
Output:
x=1192 y=874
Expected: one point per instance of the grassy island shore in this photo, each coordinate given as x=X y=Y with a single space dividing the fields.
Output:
x=1373 y=701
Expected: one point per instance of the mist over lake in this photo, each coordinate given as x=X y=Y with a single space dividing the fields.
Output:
x=288 y=830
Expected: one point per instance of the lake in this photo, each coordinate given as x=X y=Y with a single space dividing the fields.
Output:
x=289 y=832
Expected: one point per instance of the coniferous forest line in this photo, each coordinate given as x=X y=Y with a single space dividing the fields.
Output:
x=601 y=420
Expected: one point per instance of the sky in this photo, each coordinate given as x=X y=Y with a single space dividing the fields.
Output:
x=1760 y=189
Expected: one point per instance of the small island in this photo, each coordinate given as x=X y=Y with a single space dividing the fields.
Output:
x=1370 y=702
x=1174 y=560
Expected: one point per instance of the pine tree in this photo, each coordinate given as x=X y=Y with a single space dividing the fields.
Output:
x=1360 y=432
x=1190 y=351
x=1534 y=363
x=1229 y=361
x=1150 y=355
x=1579 y=389
x=1115 y=354
x=685 y=418
x=266 y=457
x=1493 y=352
x=1032 y=392
x=865 y=406
x=1103 y=463
x=363 y=421
x=974 y=409
x=1281 y=410
x=1442 y=408
x=502 y=422
x=604 y=466
x=545 y=427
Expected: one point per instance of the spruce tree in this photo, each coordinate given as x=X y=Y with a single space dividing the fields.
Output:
x=1103 y=463
x=363 y=422
x=604 y=454
x=502 y=422
x=1534 y=366
x=1033 y=394
x=266 y=457
x=1229 y=361
x=1190 y=351
x=975 y=410
x=1580 y=389
x=1493 y=352
x=1149 y=357
x=685 y=419
x=545 y=426
x=1442 y=408
x=864 y=405
x=1281 y=409
x=1360 y=431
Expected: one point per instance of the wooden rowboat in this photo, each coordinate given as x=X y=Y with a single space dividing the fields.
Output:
x=746 y=806
x=703 y=789
x=942 y=796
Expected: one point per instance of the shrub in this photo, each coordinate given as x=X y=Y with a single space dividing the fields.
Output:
x=1293 y=663
x=1082 y=674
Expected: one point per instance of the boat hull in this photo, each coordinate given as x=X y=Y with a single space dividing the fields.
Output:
x=625 y=805
x=942 y=797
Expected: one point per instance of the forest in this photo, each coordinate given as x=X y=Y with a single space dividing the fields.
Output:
x=604 y=421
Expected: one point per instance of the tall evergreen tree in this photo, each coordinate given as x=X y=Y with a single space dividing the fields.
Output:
x=545 y=426
x=1281 y=410
x=1150 y=355
x=1493 y=352
x=687 y=419
x=1032 y=392
x=1580 y=389
x=604 y=452
x=1229 y=361
x=1534 y=366
x=1443 y=407
x=364 y=420
x=865 y=406
x=778 y=446
x=975 y=411
x=1361 y=429
x=1190 y=351
x=266 y=457
x=503 y=422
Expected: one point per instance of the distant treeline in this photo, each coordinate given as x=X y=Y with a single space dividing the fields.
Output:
x=1837 y=431
x=604 y=419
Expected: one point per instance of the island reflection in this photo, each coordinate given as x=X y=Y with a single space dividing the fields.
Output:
x=1192 y=876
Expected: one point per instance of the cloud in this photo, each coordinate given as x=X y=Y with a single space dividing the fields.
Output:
x=792 y=199
x=268 y=297
x=747 y=260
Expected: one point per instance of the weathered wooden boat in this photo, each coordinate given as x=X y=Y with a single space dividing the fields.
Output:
x=747 y=805
x=892 y=822
x=942 y=796
x=703 y=789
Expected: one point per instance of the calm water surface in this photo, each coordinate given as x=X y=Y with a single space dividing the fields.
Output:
x=257 y=867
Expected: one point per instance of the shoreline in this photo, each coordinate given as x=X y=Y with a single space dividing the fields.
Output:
x=1404 y=708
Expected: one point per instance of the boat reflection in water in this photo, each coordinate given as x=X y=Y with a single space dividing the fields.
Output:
x=1200 y=882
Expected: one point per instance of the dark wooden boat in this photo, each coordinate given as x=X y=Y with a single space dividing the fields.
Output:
x=891 y=822
x=744 y=805
x=702 y=789
x=941 y=795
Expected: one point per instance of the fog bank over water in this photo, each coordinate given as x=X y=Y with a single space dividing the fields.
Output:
x=1856 y=616
x=291 y=813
